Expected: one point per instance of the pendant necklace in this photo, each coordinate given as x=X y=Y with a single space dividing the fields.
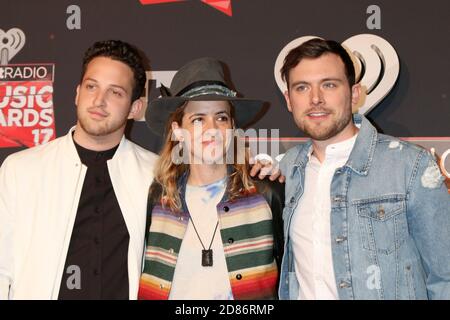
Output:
x=207 y=254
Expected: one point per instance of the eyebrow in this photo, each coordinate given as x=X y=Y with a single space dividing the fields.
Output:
x=112 y=85
x=204 y=114
x=332 y=79
x=321 y=80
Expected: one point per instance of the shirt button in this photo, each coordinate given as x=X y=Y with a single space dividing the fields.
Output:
x=96 y=272
x=340 y=239
x=292 y=201
x=230 y=241
x=344 y=284
x=226 y=209
x=98 y=180
x=97 y=210
x=96 y=240
x=239 y=276
x=381 y=213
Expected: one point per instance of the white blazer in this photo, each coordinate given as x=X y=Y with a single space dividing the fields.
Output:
x=39 y=193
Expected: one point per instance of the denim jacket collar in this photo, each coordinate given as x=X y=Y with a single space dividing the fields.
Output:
x=361 y=156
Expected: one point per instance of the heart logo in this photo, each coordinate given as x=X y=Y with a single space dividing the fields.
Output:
x=11 y=42
x=376 y=67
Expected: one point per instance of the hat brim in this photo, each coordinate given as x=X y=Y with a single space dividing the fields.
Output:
x=159 y=110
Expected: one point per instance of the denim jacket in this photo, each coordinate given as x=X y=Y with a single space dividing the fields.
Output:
x=390 y=220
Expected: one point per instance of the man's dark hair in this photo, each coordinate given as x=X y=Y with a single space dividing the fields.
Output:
x=315 y=48
x=123 y=52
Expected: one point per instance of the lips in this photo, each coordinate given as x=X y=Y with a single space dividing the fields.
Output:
x=208 y=142
x=98 y=114
x=317 y=114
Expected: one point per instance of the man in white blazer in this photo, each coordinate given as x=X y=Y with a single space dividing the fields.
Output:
x=72 y=211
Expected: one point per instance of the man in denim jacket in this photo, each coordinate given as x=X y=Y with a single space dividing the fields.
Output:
x=367 y=216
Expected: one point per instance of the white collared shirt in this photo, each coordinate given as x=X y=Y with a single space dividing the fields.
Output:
x=310 y=228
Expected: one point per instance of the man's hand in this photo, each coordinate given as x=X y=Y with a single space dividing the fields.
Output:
x=264 y=166
x=441 y=166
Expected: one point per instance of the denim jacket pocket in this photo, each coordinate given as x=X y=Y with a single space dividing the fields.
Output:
x=382 y=223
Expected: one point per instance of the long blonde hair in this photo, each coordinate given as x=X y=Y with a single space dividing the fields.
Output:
x=167 y=173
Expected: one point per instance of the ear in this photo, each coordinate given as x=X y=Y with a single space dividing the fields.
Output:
x=77 y=95
x=136 y=108
x=177 y=131
x=288 y=100
x=356 y=94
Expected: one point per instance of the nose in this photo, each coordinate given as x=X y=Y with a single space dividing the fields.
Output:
x=316 y=96
x=99 y=99
x=210 y=124
x=210 y=129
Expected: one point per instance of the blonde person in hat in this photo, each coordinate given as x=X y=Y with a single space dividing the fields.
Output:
x=212 y=231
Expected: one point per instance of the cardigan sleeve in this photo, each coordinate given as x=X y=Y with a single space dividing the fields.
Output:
x=273 y=192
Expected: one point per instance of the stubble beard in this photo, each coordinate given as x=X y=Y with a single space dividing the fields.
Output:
x=100 y=128
x=321 y=133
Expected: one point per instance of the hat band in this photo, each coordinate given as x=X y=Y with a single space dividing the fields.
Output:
x=209 y=89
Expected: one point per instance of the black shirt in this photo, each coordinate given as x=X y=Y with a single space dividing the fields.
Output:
x=97 y=260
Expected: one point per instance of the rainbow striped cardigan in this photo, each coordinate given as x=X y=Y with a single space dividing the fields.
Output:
x=247 y=234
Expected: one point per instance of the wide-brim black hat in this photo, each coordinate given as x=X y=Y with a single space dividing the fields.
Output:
x=199 y=80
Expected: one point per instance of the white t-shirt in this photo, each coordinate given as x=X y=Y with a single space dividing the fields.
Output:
x=192 y=280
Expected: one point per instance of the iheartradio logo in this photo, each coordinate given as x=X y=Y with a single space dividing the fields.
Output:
x=376 y=67
x=11 y=42
x=26 y=96
x=221 y=5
